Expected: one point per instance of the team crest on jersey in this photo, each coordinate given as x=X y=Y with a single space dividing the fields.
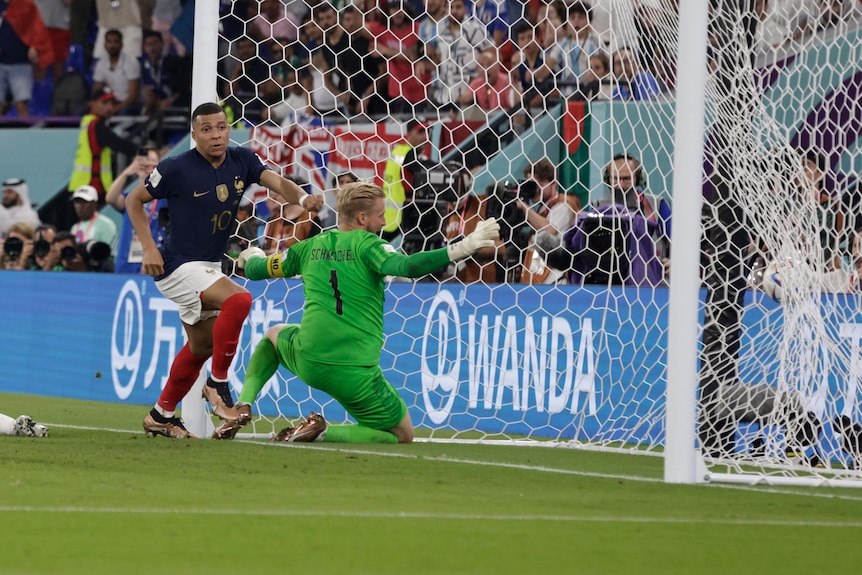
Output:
x=222 y=192
x=238 y=185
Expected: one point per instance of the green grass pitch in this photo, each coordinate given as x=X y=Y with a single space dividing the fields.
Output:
x=97 y=496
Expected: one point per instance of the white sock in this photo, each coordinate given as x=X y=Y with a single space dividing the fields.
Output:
x=8 y=426
x=164 y=412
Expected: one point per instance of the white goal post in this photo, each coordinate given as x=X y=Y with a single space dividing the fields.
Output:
x=741 y=365
x=681 y=457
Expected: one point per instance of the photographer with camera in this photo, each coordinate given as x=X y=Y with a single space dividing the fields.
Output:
x=624 y=239
x=18 y=237
x=21 y=253
x=67 y=254
x=549 y=213
x=398 y=179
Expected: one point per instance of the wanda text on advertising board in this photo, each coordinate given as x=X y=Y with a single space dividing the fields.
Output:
x=501 y=358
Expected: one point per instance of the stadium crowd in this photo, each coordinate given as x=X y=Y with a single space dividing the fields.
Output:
x=344 y=61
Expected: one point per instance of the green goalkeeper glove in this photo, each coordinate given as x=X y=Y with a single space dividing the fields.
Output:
x=247 y=253
x=482 y=237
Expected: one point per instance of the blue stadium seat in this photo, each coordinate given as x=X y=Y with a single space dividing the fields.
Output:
x=43 y=92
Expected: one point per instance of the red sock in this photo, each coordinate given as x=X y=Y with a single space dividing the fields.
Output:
x=228 y=325
x=184 y=372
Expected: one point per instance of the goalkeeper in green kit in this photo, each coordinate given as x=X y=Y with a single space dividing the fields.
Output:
x=337 y=347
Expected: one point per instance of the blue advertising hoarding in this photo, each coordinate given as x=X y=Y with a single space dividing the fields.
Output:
x=561 y=362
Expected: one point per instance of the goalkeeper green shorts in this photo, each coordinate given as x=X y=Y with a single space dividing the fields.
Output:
x=362 y=391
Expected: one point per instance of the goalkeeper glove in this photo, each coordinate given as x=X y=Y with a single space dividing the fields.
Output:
x=482 y=237
x=247 y=253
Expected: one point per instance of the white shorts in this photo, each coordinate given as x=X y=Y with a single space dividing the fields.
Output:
x=186 y=284
x=17 y=80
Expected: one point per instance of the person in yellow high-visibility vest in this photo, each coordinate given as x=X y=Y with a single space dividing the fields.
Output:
x=398 y=179
x=96 y=142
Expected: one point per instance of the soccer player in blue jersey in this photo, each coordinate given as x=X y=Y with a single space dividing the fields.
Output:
x=203 y=188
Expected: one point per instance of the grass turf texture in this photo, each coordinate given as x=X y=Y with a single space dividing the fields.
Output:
x=97 y=496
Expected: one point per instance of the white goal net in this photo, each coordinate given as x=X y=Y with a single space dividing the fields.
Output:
x=558 y=118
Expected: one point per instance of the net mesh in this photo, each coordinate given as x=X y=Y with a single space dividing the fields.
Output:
x=561 y=333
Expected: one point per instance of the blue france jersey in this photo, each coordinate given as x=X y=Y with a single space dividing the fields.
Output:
x=202 y=202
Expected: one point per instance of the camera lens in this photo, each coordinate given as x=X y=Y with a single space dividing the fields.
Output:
x=68 y=253
x=13 y=247
x=98 y=251
x=528 y=190
x=41 y=248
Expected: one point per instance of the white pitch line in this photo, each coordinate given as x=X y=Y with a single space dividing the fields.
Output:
x=423 y=515
x=821 y=493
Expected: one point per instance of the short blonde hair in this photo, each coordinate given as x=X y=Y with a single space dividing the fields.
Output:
x=23 y=229
x=357 y=197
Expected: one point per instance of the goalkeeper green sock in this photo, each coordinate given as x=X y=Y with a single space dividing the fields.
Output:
x=262 y=365
x=356 y=434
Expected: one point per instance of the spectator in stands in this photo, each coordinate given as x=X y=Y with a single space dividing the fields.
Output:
x=346 y=54
x=494 y=16
x=656 y=25
x=125 y=17
x=596 y=82
x=371 y=101
x=274 y=22
x=245 y=234
x=294 y=100
x=398 y=41
x=156 y=94
x=243 y=91
x=549 y=214
x=459 y=42
x=24 y=41
x=430 y=23
x=625 y=237
x=576 y=44
x=96 y=143
x=839 y=13
x=56 y=15
x=323 y=83
x=398 y=179
x=5 y=221
x=287 y=225
x=780 y=25
x=830 y=212
x=328 y=218
x=119 y=72
x=491 y=91
x=533 y=76
x=633 y=83
x=165 y=13
x=91 y=225
x=129 y=250
x=16 y=202
x=323 y=93
x=183 y=30
x=14 y=257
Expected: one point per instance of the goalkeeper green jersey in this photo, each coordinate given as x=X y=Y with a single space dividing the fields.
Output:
x=343 y=273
